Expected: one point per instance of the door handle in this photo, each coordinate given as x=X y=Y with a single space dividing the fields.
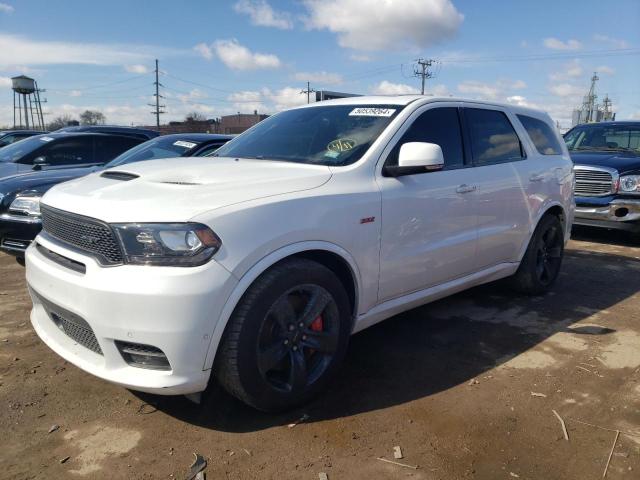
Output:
x=464 y=188
x=537 y=177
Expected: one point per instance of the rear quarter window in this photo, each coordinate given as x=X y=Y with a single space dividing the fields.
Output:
x=541 y=134
x=493 y=139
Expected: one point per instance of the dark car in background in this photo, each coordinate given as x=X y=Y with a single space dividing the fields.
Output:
x=62 y=150
x=20 y=194
x=606 y=159
x=7 y=137
x=136 y=132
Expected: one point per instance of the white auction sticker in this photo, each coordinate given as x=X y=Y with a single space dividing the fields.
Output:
x=182 y=143
x=372 y=112
x=45 y=139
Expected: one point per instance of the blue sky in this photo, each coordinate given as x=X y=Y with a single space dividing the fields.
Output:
x=220 y=57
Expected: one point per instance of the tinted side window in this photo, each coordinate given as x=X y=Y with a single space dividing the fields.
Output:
x=109 y=147
x=545 y=140
x=440 y=126
x=493 y=139
x=69 y=151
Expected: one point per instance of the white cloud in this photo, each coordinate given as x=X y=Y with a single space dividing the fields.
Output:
x=573 y=69
x=205 y=50
x=388 y=88
x=614 y=42
x=195 y=94
x=75 y=93
x=518 y=85
x=267 y=99
x=358 y=57
x=567 y=90
x=6 y=8
x=137 y=68
x=319 y=77
x=5 y=82
x=555 y=44
x=372 y=25
x=20 y=50
x=439 y=90
x=521 y=101
x=605 y=69
x=478 y=89
x=236 y=56
x=263 y=15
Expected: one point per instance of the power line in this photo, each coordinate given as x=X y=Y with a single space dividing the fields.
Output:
x=157 y=112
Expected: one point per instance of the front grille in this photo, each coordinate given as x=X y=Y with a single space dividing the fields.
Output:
x=593 y=182
x=86 y=234
x=74 y=326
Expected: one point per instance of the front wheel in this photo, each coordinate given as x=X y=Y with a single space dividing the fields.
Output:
x=286 y=337
x=541 y=263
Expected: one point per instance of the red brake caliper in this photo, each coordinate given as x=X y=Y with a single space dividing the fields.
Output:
x=317 y=326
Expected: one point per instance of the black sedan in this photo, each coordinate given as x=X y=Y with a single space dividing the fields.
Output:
x=20 y=194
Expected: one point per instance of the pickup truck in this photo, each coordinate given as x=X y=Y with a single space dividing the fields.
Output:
x=607 y=171
x=254 y=269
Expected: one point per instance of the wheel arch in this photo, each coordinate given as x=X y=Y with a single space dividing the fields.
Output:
x=552 y=208
x=328 y=254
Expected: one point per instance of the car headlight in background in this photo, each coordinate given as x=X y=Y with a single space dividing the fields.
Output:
x=167 y=244
x=26 y=204
x=630 y=184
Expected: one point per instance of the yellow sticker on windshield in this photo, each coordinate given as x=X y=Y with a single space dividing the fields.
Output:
x=341 y=145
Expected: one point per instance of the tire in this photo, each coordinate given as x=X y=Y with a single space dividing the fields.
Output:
x=541 y=263
x=266 y=358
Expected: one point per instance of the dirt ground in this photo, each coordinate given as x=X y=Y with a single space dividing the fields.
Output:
x=465 y=386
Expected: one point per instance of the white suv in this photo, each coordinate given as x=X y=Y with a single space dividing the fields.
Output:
x=256 y=264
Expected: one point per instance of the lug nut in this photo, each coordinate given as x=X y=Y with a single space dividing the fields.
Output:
x=286 y=342
x=301 y=324
x=291 y=327
x=304 y=337
x=295 y=347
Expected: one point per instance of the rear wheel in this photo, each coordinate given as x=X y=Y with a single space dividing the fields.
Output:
x=541 y=263
x=286 y=337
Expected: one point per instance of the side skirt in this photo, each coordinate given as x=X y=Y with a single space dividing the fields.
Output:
x=407 y=302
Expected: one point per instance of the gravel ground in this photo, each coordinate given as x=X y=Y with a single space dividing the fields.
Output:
x=465 y=386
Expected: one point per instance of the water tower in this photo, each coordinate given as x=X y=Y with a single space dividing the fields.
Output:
x=26 y=99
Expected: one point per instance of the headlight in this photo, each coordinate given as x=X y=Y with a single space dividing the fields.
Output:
x=630 y=184
x=167 y=244
x=26 y=205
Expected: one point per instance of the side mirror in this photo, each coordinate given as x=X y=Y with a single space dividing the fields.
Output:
x=416 y=157
x=39 y=162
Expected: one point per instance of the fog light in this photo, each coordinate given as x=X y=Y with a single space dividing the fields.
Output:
x=143 y=356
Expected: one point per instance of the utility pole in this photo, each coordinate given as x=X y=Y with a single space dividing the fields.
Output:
x=422 y=70
x=158 y=108
x=308 y=91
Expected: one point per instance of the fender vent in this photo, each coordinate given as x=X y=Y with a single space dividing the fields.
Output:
x=124 y=176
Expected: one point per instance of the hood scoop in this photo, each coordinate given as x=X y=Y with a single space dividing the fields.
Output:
x=123 y=176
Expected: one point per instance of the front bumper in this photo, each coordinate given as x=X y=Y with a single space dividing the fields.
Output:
x=172 y=309
x=17 y=232
x=620 y=214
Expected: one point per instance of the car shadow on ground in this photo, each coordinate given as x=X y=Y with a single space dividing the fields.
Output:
x=438 y=346
x=605 y=236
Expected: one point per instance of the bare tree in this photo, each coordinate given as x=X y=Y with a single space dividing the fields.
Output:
x=92 y=117
x=60 y=122
x=195 y=117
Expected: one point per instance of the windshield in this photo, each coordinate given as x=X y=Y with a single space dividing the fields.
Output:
x=334 y=135
x=17 y=150
x=153 y=149
x=605 y=138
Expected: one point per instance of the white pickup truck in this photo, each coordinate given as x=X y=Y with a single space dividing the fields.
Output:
x=255 y=265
